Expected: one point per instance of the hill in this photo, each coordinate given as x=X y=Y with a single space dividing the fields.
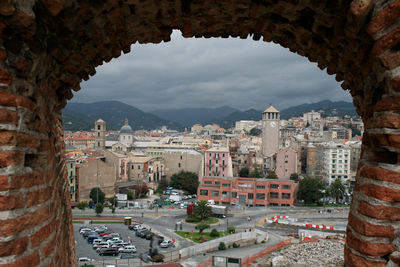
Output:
x=81 y=116
x=326 y=107
x=190 y=116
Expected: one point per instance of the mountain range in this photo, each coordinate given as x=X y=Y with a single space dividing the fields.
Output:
x=80 y=116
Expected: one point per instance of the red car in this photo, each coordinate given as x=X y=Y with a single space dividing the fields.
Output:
x=106 y=233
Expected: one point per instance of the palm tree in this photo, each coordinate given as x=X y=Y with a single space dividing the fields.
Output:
x=337 y=189
x=202 y=210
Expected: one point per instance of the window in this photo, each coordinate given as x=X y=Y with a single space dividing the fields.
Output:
x=133 y=167
x=181 y=157
x=214 y=193
x=260 y=196
x=98 y=134
x=225 y=194
x=285 y=195
x=260 y=186
x=138 y=176
x=207 y=182
x=216 y=162
x=179 y=165
x=223 y=162
x=98 y=143
x=217 y=182
x=234 y=194
x=223 y=155
x=209 y=162
x=274 y=186
x=226 y=185
x=203 y=192
x=210 y=154
x=274 y=195
x=250 y=196
x=286 y=161
x=98 y=127
x=286 y=186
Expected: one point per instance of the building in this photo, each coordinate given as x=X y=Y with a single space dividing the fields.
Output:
x=125 y=140
x=247 y=191
x=197 y=128
x=309 y=117
x=182 y=160
x=217 y=162
x=73 y=180
x=96 y=172
x=100 y=134
x=270 y=131
x=286 y=163
x=247 y=125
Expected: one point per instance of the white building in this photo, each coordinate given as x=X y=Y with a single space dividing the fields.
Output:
x=245 y=125
x=336 y=162
x=309 y=117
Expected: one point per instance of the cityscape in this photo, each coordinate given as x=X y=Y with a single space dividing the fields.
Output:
x=239 y=172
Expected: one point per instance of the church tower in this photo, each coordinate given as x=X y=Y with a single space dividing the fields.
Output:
x=100 y=135
x=270 y=131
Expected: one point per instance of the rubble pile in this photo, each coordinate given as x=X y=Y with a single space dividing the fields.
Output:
x=321 y=253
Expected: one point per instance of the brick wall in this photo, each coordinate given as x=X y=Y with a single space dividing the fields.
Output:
x=48 y=47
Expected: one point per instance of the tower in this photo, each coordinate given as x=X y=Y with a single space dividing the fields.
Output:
x=270 y=131
x=100 y=134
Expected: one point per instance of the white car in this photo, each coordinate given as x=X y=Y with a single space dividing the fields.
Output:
x=128 y=249
x=81 y=259
x=166 y=243
x=138 y=227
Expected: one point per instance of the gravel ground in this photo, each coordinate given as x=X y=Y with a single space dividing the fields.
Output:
x=321 y=253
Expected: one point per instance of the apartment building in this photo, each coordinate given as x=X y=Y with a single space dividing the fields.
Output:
x=247 y=191
x=218 y=162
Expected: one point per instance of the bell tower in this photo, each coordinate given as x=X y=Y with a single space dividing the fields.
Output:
x=270 y=131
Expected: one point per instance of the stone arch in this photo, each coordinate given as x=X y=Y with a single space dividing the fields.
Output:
x=48 y=46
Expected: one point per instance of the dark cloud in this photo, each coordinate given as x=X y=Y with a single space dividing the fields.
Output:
x=210 y=73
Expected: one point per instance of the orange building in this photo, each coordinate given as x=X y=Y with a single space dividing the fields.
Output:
x=247 y=191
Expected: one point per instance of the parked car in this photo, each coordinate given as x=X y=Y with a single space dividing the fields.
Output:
x=148 y=235
x=99 y=245
x=102 y=247
x=127 y=256
x=142 y=234
x=139 y=232
x=138 y=227
x=166 y=243
x=130 y=227
x=91 y=238
x=109 y=252
x=83 y=259
x=128 y=249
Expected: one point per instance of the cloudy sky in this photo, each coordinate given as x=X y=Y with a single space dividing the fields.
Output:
x=210 y=73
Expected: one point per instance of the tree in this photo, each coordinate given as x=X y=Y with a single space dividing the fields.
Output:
x=272 y=175
x=129 y=195
x=97 y=195
x=113 y=201
x=294 y=177
x=256 y=173
x=201 y=227
x=310 y=190
x=188 y=181
x=337 y=190
x=244 y=172
x=99 y=208
x=82 y=205
x=202 y=210
x=255 y=132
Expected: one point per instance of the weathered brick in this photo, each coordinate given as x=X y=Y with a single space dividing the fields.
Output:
x=357 y=261
x=380 y=192
x=27 y=261
x=8 y=117
x=5 y=77
x=395 y=257
x=14 y=138
x=13 y=247
x=384 y=121
x=368 y=229
x=388 y=104
x=8 y=99
x=38 y=197
x=26 y=180
x=14 y=226
x=379 y=211
x=390 y=60
x=381 y=174
x=387 y=42
x=8 y=158
x=43 y=233
x=10 y=202
x=49 y=247
x=369 y=248
x=396 y=84
x=384 y=18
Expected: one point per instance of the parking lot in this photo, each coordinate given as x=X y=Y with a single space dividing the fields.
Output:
x=84 y=249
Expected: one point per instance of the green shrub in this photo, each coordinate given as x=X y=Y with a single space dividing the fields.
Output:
x=88 y=265
x=231 y=229
x=214 y=233
x=192 y=219
x=201 y=227
x=221 y=246
x=263 y=241
x=235 y=245
x=82 y=205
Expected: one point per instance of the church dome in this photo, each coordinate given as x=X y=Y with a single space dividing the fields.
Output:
x=126 y=128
